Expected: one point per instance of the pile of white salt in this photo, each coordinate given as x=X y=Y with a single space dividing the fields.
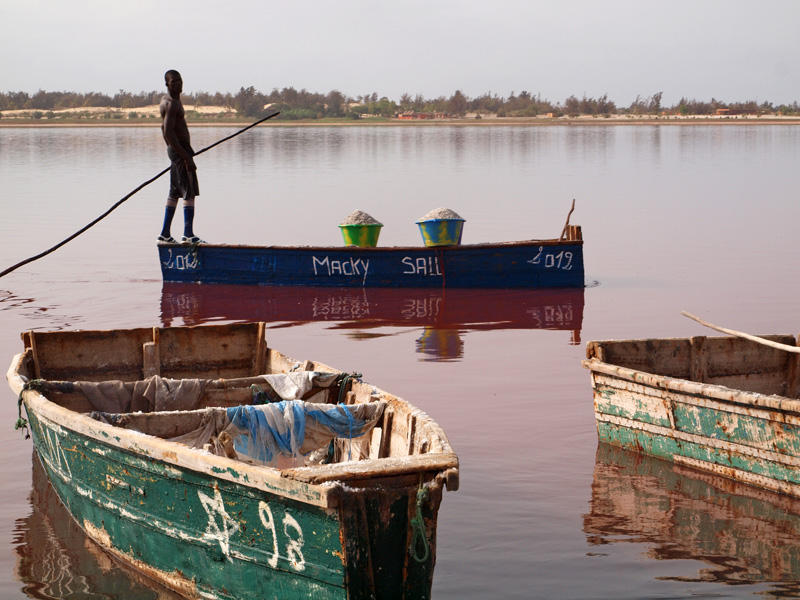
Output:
x=441 y=214
x=359 y=217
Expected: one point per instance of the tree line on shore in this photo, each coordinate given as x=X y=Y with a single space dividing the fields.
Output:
x=302 y=104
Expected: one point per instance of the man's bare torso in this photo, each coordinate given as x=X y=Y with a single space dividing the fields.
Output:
x=177 y=120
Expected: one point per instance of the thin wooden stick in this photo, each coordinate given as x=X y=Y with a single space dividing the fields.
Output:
x=123 y=199
x=747 y=336
x=569 y=214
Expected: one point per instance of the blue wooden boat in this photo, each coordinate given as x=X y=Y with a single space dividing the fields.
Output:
x=523 y=264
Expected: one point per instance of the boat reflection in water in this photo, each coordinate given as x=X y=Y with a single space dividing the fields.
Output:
x=443 y=315
x=56 y=560
x=743 y=534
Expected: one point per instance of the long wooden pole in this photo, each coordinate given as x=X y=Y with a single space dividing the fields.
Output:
x=741 y=334
x=123 y=199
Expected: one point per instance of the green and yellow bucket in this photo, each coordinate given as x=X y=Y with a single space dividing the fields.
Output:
x=363 y=236
x=360 y=229
x=441 y=227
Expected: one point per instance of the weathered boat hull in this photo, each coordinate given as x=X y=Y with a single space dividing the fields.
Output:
x=129 y=505
x=529 y=264
x=54 y=558
x=208 y=526
x=673 y=405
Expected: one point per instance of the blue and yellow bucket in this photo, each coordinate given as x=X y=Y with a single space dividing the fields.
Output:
x=442 y=227
x=363 y=236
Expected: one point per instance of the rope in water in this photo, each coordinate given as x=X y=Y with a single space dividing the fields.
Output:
x=418 y=527
x=124 y=198
x=22 y=422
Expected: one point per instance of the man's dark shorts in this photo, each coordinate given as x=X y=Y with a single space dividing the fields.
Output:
x=182 y=181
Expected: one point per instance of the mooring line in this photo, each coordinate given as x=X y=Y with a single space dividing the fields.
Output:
x=124 y=198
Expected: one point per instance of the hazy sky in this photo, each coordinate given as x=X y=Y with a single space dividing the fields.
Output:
x=729 y=49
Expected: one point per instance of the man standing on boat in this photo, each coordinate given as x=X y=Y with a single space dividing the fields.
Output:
x=183 y=173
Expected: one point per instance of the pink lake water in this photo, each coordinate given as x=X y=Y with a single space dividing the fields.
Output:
x=697 y=218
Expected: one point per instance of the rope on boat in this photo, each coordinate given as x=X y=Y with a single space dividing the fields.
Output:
x=22 y=422
x=343 y=385
x=261 y=395
x=418 y=527
x=124 y=198
x=344 y=382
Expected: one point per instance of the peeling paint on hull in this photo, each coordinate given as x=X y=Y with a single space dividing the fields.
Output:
x=217 y=550
x=746 y=436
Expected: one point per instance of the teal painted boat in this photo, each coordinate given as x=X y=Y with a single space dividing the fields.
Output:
x=222 y=468
x=721 y=404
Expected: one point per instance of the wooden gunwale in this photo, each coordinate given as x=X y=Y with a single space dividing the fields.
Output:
x=708 y=390
x=378 y=249
x=380 y=467
x=309 y=484
x=671 y=396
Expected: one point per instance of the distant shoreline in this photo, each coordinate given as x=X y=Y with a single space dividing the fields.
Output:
x=496 y=122
x=216 y=116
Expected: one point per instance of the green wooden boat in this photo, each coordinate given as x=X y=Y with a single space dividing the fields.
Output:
x=168 y=446
x=722 y=404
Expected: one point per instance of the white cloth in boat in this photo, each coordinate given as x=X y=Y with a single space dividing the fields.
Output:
x=263 y=434
x=295 y=385
x=148 y=395
x=157 y=394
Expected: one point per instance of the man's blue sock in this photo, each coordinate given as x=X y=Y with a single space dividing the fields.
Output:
x=169 y=212
x=188 y=217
